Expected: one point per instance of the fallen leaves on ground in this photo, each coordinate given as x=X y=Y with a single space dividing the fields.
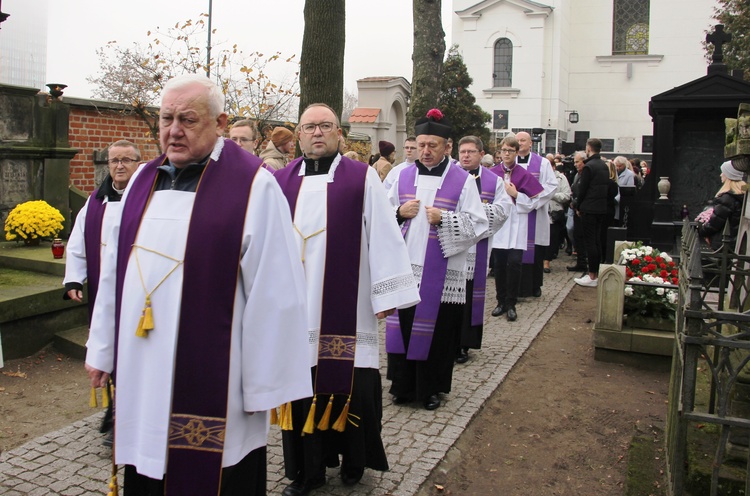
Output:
x=20 y=374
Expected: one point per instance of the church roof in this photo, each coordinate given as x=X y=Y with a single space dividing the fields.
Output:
x=528 y=6
x=364 y=114
x=379 y=78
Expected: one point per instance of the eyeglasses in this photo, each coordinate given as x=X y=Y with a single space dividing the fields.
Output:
x=508 y=150
x=410 y=148
x=467 y=152
x=124 y=161
x=325 y=127
x=241 y=139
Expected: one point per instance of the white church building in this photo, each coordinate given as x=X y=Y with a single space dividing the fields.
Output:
x=572 y=69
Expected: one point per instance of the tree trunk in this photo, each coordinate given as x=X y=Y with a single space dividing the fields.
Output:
x=427 y=59
x=321 y=77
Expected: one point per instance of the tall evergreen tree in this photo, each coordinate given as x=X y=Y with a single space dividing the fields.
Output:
x=321 y=76
x=457 y=102
x=427 y=59
x=735 y=16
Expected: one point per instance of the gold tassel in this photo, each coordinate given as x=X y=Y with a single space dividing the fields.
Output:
x=310 y=423
x=340 y=424
x=274 y=417
x=285 y=417
x=148 y=316
x=105 y=396
x=326 y=418
x=92 y=398
x=113 y=486
x=139 y=332
x=288 y=421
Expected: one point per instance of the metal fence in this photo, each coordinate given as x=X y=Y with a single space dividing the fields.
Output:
x=712 y=332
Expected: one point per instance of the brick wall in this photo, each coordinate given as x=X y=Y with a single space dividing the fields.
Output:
x=93 y=126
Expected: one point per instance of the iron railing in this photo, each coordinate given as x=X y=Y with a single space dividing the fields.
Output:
x=712 y=331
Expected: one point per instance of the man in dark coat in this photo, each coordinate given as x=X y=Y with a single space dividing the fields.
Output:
x=591 y=204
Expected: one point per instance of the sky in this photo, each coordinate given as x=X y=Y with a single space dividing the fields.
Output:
x=378 y=33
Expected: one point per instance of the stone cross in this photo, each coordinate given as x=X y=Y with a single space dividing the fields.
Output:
x=717 y=39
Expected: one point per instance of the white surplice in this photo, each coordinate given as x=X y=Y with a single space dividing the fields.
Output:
x=75 y=253
x=385 y=277
x=455 y=243
x=393 y=174
x=497 y=213
x=514 y=232
x=541 y=201
x=268 y=362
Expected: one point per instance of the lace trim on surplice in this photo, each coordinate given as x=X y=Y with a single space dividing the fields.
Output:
x=455 y=229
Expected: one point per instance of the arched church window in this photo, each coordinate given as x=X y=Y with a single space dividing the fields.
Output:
x=630 y=27
x=502 y=75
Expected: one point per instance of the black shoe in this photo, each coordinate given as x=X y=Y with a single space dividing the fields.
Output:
x=401 y=400
x=463 y=355
x=491 y=273
x=351 y=475
x=577 y=268
x=498 y=311
x=537 y=293
x=303 y=488
x=432 y=402
x=512 y=315
x=546 y=270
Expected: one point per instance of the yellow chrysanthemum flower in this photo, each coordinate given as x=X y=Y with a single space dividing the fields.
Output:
x=33 y=219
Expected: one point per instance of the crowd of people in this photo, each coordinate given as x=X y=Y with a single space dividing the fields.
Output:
x=595 y=185
x=230 y=291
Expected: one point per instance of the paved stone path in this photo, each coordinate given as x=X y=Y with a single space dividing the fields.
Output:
x=71 y=461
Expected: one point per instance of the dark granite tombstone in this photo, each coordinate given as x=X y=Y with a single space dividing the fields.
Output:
x=688 y=147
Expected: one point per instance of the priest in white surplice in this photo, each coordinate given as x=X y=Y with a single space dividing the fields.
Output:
x=357 y=271
x=201 y=308
x=509 y=243
x=441 y=214
x=91 y=233
x=94 y=222
x=497 y=206
x=538 y=218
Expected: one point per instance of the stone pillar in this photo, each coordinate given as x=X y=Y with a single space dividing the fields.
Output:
x=663 y=230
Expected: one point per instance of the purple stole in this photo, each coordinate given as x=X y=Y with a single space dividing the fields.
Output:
x=338 y=320
x=434 y=270
x=92 y=239
x=199 y=397
x=487 y=181
x=534 y=166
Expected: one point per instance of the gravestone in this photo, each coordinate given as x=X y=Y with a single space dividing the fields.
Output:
x=614 y=341
x=17 y=182
x=610 y=297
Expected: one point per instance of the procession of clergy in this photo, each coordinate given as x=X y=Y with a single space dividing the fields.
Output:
x=230 y=295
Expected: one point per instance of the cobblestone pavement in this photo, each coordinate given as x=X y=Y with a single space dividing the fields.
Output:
x=71 y=461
